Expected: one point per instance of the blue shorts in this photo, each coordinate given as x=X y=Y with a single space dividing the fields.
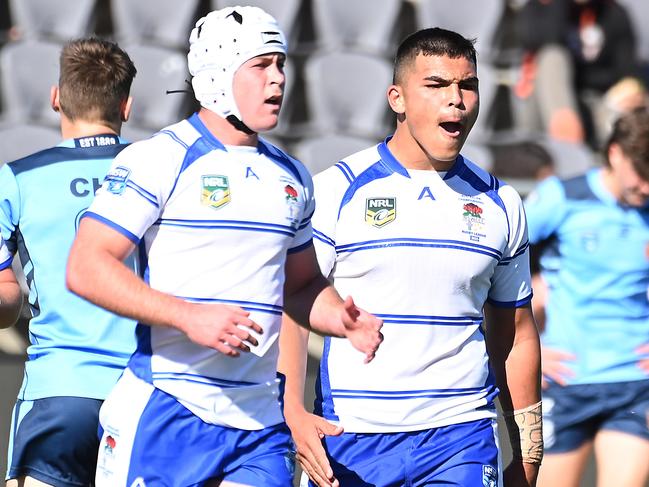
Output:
x=55 y=440
x=573 y=414
x=149 y=438
x=464 y=454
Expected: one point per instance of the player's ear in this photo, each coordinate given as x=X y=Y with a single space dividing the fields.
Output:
x=395 y=99
x=55 y=102
x=125 y=108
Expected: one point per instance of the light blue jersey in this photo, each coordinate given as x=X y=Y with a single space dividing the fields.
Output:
x=596 y=265
x=77 y=349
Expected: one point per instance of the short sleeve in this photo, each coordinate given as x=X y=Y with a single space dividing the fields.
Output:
x=511 y=281
x=304 y=235
x=545 y=209
x=10 y=207
x=330 y=185
x=136 y=188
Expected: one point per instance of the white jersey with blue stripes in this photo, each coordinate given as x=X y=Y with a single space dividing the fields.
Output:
x=424 y=251
x=214 y=225
x=5 y=256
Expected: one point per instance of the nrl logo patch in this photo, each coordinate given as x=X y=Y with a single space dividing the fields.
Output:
x=380 y=211
x=215 y=191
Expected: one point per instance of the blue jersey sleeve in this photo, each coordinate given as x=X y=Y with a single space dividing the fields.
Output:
x=545 y=209
x=9 y=206
x=5 y=255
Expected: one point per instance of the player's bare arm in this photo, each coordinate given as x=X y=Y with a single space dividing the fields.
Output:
x=96 y=272
x=307 y=429
x=313 y=302
x=515 y=354
x=11 y=299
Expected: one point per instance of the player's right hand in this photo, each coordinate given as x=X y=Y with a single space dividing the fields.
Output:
x=222 y=327
x=553 y=366
x=308 y=430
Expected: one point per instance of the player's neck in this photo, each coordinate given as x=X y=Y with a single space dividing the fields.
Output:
x=83 y=128
x=225 y=131
x=411 y=155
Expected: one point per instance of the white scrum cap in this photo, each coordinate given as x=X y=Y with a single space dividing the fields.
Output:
x=220 y=43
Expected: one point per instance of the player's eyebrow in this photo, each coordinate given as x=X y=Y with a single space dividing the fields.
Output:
x=439 y=79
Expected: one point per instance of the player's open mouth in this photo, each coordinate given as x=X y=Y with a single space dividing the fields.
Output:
x=454 y=129
x=274 y=100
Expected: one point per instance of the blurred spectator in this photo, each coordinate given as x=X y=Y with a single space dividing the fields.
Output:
x=577 y=52
x=526 y=159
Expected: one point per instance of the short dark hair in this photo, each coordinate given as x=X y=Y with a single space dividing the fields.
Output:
x=95 y=78
x=631 y=133
x=434 y=41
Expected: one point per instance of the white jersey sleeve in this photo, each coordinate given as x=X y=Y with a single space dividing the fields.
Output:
x=511 y=285
x=304 y=235
x=330 y=186
x=137 y=186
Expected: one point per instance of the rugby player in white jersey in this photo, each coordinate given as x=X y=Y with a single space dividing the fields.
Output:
x=11 y=298
x=220 y=219
x=437 y=248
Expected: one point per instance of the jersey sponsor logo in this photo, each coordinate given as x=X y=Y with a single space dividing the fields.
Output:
x=489 y=476
x=215 y=191
x=426 y=193
x=380 y=211
x=115 y=181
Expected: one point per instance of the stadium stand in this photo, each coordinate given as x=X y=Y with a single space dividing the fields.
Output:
x=155 y=22
x=58 y=21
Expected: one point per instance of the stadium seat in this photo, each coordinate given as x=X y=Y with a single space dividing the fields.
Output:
x=319 y=153
x=346 y=93
x=164 y=23
x=158 y=70
x=570 y=159
x=479 y=19
x=28 y=70
x=61 y=20
x=133 y=133
x=639 y=14
x=284 y=11
x=22 y=140
x=346 y=24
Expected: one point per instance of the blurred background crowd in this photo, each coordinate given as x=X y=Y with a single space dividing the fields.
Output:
x=553 y=73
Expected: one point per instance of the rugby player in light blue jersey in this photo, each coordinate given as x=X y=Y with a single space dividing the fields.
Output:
x=222 y=222
x=437 y=248
x=77 y=349
x=595 y=342
x=10 y=295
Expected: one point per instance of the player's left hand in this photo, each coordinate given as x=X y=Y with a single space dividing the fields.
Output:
x=520 y=474
x=362 y=329
x=308 y=431
x=644 y=362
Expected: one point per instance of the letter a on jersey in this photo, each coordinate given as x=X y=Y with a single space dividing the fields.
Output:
x=380 y=211
x=215 y=191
